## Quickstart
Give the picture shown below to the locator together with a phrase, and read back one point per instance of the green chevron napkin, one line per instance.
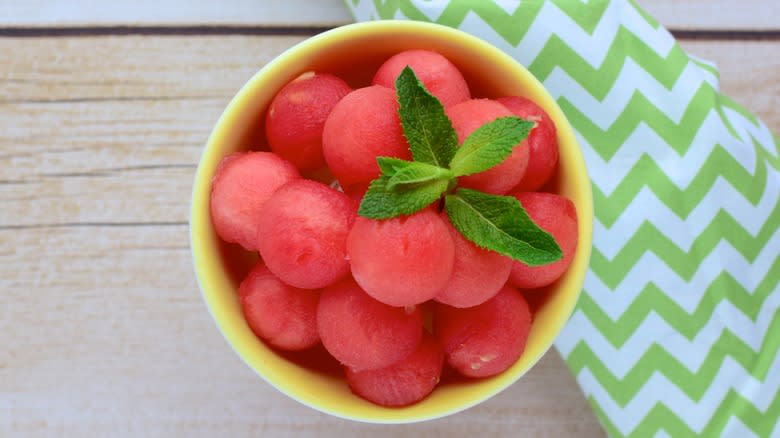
(678, 329)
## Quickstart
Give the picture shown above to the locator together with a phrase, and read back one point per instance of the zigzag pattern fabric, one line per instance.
(678, 329)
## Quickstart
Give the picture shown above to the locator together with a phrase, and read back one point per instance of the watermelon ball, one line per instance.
(477, 274)
(242, 184)
(557, 215)
(282, 315)
(356, 191)
(487, 339)
(402, 383)
(542, 143)
(440, 76)
(363, 333)
(363, 125)
(302, 233)
(296, 117)
(401, 261)
(466, 117)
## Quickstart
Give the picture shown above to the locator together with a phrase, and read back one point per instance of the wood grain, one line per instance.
(174, 13)
(749, 73)
(110, 129)
(102, 325)
(749, 15)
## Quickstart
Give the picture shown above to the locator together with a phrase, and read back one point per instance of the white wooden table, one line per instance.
(104, 109)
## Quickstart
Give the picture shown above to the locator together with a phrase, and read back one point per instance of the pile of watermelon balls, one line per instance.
(393, 300)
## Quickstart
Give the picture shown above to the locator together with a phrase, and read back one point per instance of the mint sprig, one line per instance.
(501, 224)
(489, 145)
(382, 202)
(418, 173)
(390, 165)
(426, 127)
(497, 223)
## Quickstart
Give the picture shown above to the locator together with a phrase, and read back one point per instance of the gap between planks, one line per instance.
(228, 30)
(676, 14)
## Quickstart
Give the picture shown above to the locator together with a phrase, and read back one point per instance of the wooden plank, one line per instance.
(111, 129)
(677, 14)
(131, 67)
(749, 15)
(749, 73)
(57, 13)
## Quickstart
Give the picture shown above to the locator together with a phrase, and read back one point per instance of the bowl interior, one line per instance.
(354, 52)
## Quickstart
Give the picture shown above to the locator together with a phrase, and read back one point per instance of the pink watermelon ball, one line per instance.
(361, 127)
(363, 333)
(402, 383)
(466, 117)
(357, 191)
(282, 315)
(242, 184)
(302, 234)
(558, 216)
(296, 118)
(440, 76)
(477, 274)
(487, 339)
(401, 261)
(542, 143)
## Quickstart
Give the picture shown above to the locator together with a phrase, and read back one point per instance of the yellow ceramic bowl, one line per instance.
(354, 52)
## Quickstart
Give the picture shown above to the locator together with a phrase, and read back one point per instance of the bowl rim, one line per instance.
(585, 211)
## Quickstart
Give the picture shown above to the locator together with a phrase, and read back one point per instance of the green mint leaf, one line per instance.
(427, 128)
(501, 224)
(390, 165)
(418, 173)
(489, 145)
(382, 202)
